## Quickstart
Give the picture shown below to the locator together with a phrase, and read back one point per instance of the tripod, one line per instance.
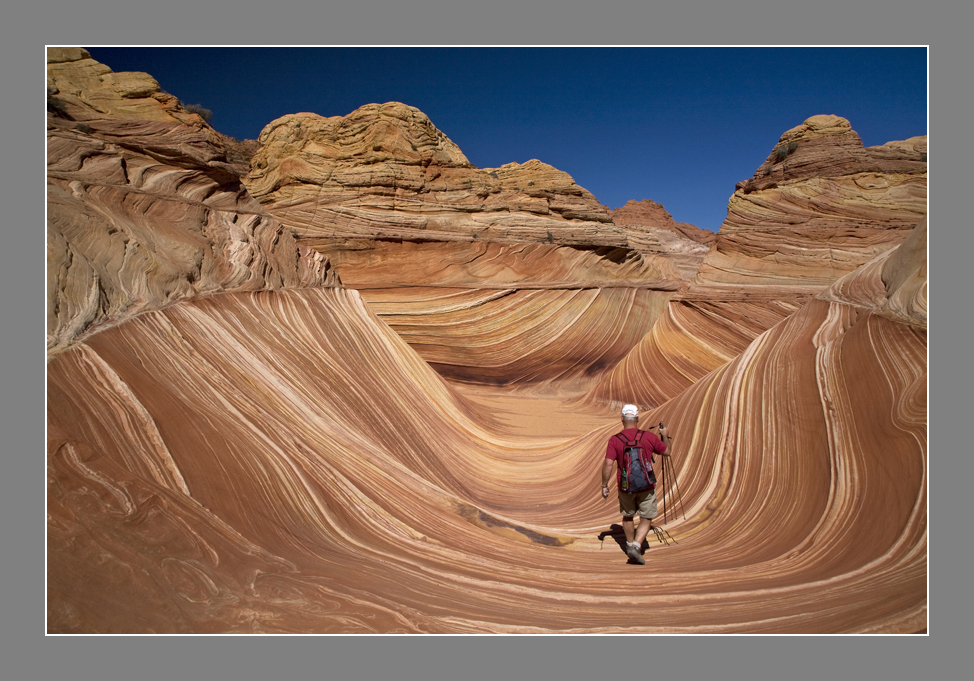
(667, 473)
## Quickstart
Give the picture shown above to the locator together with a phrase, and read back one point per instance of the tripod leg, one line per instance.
(679, 494)
(665, 495)
(662, 474)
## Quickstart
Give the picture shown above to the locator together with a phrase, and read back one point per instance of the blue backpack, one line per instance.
(637, 474)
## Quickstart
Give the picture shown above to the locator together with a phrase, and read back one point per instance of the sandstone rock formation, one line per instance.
(385, 171)
(542, 341)
(820, 206)
(688, 340)
(386, 263)
(144, 208)
(893, 285)
(651, 230)
(237, 442)
(193, 494)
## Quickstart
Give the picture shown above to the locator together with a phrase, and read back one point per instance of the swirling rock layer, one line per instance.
(688, 341)
(481, 265)
(539, 340)
(325, 479)
(422, 455)
(820, 206)
(385, 171)
(146, 211)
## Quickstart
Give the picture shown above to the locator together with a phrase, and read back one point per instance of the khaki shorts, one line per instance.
(645, 502)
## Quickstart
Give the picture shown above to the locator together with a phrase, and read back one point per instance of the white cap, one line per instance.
(630, 410)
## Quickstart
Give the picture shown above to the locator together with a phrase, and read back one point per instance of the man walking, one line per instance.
(630, 503)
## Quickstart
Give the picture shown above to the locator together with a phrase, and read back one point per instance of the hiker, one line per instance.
(624, 447)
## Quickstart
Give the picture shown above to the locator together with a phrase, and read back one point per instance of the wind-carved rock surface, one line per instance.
(542, 341)
(385, 171)
(193, 494)
(422, 455)
(893, 285)
(688, 340)
(144, 208)
(820, 206)
(651, 230)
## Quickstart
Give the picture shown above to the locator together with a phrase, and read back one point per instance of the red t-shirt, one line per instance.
(650, 442)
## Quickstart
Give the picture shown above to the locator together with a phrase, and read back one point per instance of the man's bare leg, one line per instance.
(632, 548)
(629, 528)
(642, 530)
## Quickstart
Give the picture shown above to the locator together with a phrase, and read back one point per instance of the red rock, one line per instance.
(238, 490)
(818, 208)
(652, 231)
(237, 443)
(385, 171)
(144, 212)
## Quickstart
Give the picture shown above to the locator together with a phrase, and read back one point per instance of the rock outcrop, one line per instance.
(422, 455)
(893, 285)
(688, 340)
(192, 494)
(385, 171)
(820, 206)
(652, 231)
(538, 341)
(144, 208)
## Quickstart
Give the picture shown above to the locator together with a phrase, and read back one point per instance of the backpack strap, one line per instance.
(634, 443)
(652, 450)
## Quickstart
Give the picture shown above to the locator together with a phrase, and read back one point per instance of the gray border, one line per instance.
(29, 654)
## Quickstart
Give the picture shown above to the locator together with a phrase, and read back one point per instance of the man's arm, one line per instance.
(606, 475)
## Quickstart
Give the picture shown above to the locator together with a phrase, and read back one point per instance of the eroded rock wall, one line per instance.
(423, 455)
(820, 206)
(326, 480)
(652, 231)
(385, 171)
(144, 208)
(542, 340)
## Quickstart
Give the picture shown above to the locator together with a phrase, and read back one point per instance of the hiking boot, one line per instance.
(633, 552)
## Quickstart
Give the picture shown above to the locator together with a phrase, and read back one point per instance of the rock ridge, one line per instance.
(385, 171)
(212, 460)
(820, 206)
(144, 208)
(652, 231)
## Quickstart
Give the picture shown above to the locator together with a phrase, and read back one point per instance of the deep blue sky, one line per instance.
(677, 125)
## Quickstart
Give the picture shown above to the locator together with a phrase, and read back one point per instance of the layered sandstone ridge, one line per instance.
(144, 208)
(892, 285)
(652, 231)
(537, 341)
(820, 206)
(484, 264)
(385, 171)
(191, 494)
(418, 450)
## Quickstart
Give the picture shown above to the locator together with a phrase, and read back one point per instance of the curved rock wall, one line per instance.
(326, 480)
(688, 341)
(401, 264)
(540, 341)
(143, 212)
(423, 455)
(893, 284)
(820, 206)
